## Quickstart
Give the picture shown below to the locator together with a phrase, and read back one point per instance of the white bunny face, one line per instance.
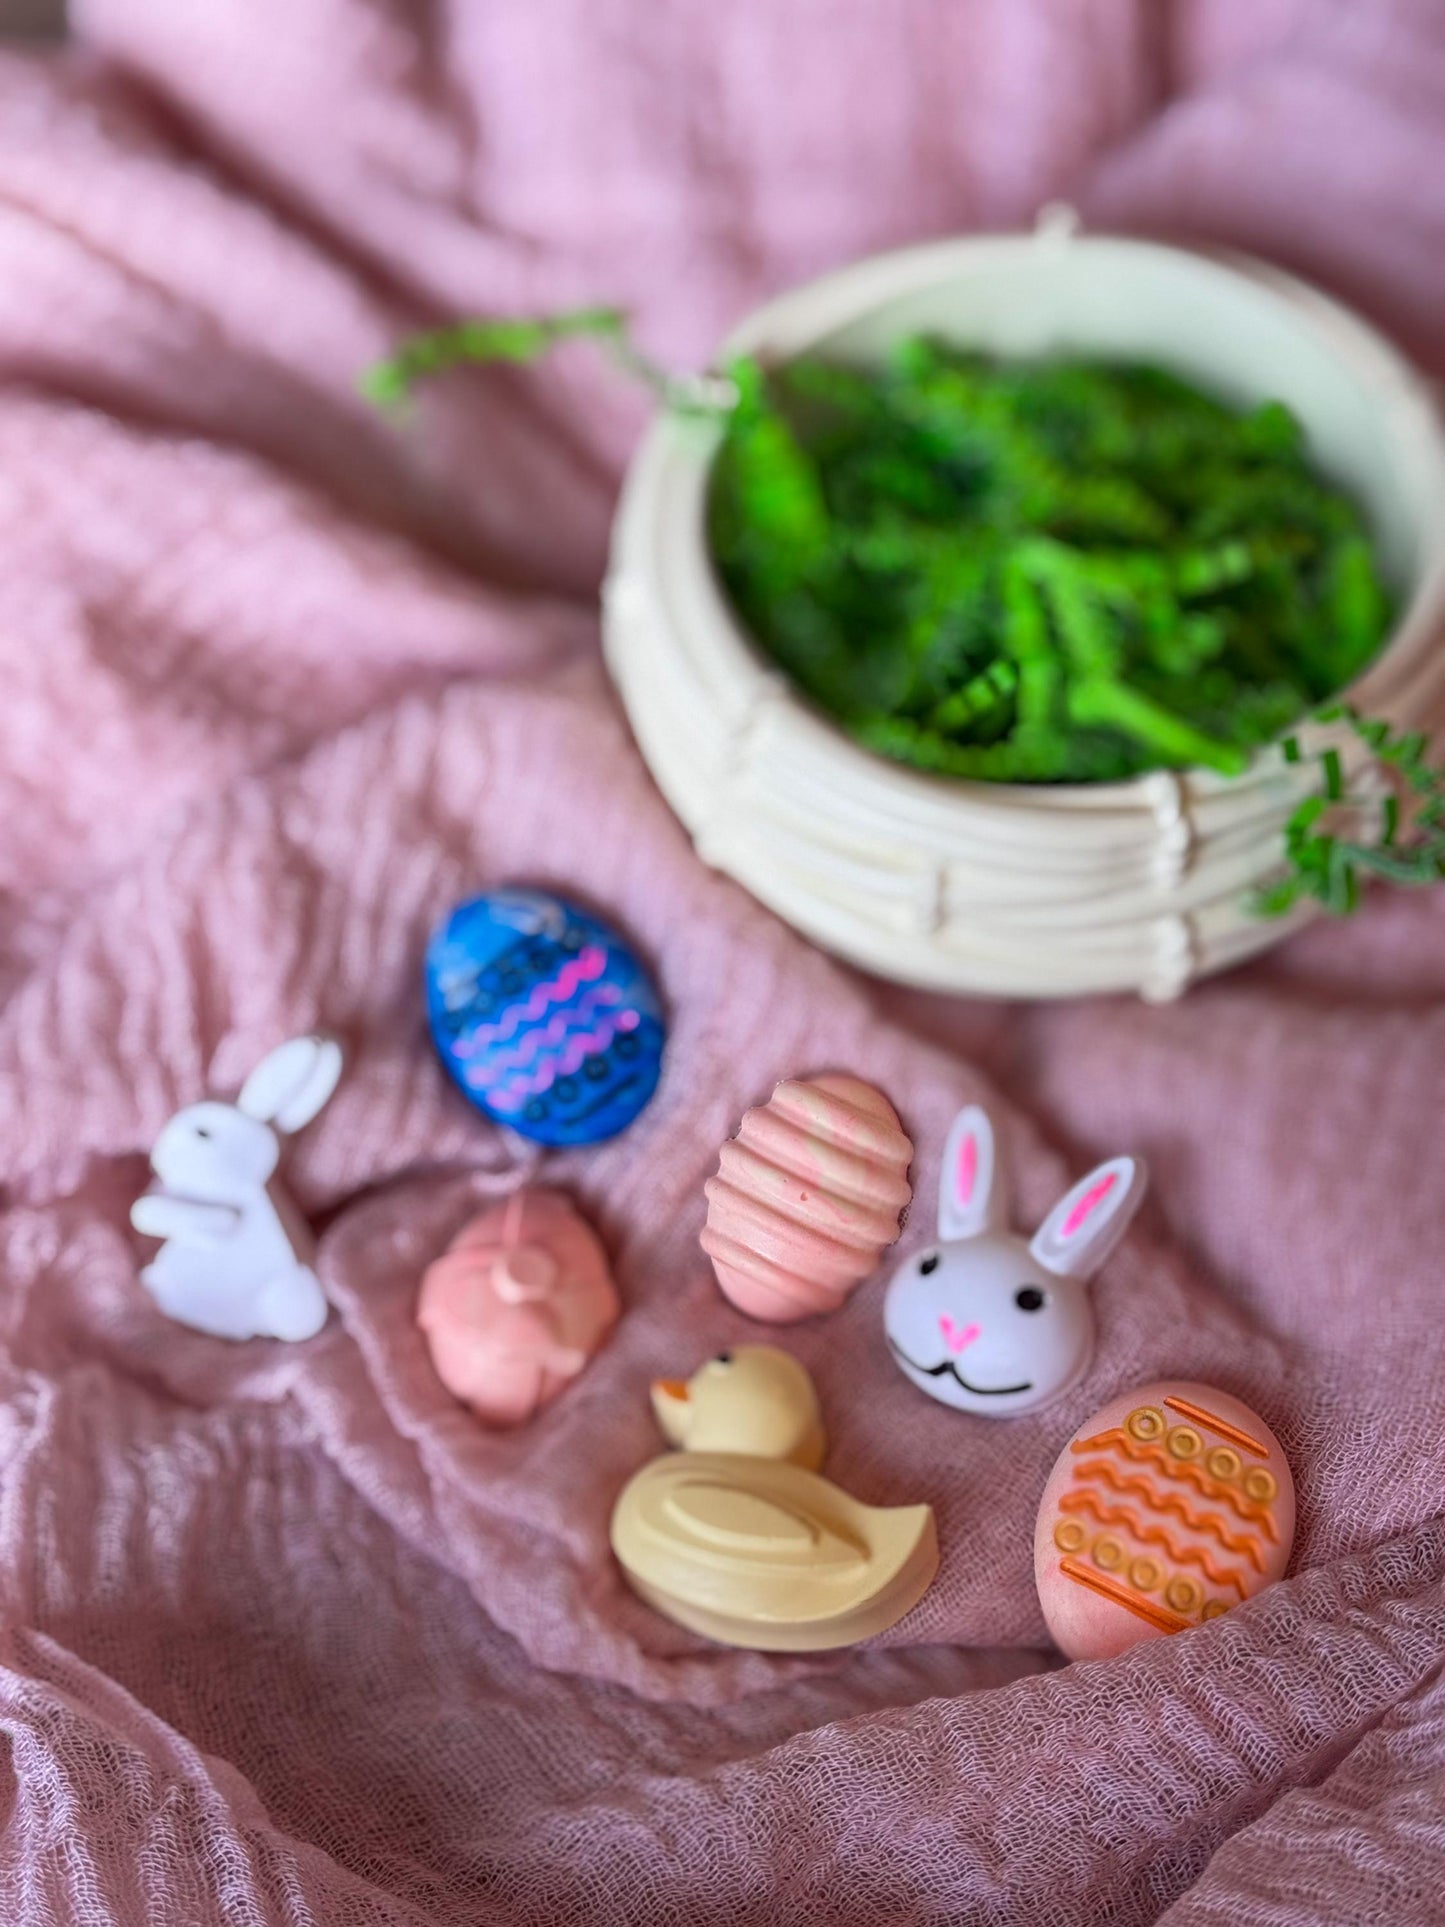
(985, 1329)
(211, 1150)
(986, 1321)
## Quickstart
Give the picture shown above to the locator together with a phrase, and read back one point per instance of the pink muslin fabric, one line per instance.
(287, 1637)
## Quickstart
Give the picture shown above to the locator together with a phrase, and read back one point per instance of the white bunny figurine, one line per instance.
(987, 1321)
(236, 1258)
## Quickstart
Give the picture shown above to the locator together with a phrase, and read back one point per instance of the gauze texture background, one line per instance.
(286, 1637)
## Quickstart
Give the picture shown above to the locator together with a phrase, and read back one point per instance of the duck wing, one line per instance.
(757, 1552)
(748, 1525)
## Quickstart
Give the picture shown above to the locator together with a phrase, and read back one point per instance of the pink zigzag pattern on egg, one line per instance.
(555, 1030)
(503, 1083)
(584, 967)
(570, 1060)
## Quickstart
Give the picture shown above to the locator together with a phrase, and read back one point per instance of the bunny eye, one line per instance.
(203, 1130)
(1030, 1298)
(930, 1263)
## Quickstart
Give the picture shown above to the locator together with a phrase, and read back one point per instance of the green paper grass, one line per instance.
(1038, 572)
(1322, 862)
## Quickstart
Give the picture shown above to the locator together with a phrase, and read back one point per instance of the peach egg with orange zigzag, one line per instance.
(807, 1197)
(1165, 1509)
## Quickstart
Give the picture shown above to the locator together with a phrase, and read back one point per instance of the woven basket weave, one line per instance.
(1003, 888)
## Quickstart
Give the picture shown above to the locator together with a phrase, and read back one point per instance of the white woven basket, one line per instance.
(1002, 888)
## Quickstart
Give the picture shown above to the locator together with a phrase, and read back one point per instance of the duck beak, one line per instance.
(670, 1405)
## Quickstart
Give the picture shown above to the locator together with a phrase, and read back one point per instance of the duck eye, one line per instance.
(930, 1263)
(723, 1358)
(1029, 1299)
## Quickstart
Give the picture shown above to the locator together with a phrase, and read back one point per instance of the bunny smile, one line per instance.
(947, 1365)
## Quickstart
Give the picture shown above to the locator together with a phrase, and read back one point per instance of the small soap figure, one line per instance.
(990, 1322)
(1166, 1508)
(236, 1261)
(544, 1017)
(736, 1536)
(517, 1306)
(807, 1197)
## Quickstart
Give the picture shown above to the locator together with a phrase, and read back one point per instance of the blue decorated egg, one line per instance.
(544, 1016)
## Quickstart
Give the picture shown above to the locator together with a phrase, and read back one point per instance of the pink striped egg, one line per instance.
(807, 1197)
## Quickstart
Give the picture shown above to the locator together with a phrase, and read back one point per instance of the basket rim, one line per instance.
(685, 451)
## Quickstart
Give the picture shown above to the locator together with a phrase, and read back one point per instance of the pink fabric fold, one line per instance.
(287, 1637)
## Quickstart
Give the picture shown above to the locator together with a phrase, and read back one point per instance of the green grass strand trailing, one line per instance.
(1324, 863)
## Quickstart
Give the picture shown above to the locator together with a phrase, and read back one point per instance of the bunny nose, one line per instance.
(524, 1273)
(958, 1337)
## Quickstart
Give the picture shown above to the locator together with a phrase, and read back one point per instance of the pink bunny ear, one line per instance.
(970, 1196)
(1087, 1222)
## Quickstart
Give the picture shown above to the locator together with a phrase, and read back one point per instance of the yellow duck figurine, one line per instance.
(736, 1536)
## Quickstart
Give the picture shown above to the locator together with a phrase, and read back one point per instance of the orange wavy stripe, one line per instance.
(1165, 1501)
(1173, 1468)
(1160, 1616)
(1120, 1515)
(1213, 1424)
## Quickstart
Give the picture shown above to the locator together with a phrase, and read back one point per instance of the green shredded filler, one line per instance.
(1038, 571)
(1403, 822)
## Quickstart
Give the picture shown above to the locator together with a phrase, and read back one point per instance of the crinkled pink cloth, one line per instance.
(287, 1637)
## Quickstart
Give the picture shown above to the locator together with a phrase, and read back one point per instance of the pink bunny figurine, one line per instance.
(517, 1305)
(990, 1322)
